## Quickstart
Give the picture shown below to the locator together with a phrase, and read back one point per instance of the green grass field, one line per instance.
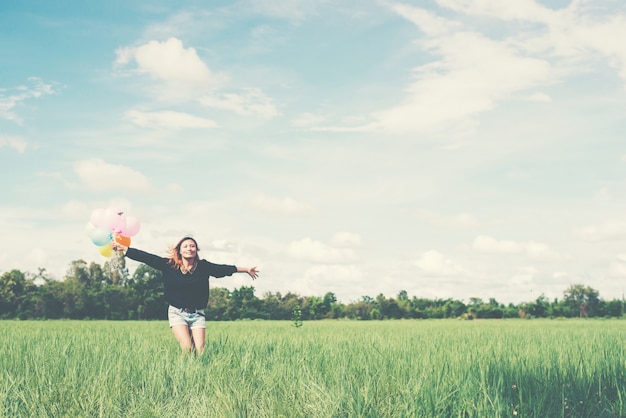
(438, 368)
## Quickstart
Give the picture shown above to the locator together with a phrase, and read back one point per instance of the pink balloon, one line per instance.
(132, 226)
(98, 218)
(112, 218)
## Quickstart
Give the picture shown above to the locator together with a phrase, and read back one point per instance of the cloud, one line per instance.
(606, 231)
(429, 23)
(14, 142)
(487, 244)
(284, 9)
(74, 209)
(99, 175)
(168, 120)
(177, 73)
(318, 252)
(534, 250)
(572, 31)
(285, 206)
(341, 279)
(461, 220)
(617, 268)
(539, 98)
(473, 74)
(252, 102)
(346, 240)
(169, 61)
(436, 264)
(517, 10)
(180, 75)
(307, 120)
(17, 95)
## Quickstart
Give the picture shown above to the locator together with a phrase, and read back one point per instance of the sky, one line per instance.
(450, 148)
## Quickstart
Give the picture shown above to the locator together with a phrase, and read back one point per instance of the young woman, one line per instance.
(186, 286)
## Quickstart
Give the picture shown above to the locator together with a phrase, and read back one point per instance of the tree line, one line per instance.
(93, 291)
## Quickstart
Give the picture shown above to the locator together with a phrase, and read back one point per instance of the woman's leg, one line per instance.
(198, 338)
(181, 332)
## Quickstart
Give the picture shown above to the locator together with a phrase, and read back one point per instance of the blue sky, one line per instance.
(449, 148)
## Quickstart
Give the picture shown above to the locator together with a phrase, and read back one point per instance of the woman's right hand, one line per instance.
(118, 247)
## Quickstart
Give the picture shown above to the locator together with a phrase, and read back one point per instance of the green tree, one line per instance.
(287, 304)
(218, 306)
(147, 283)
(615, 308)
(329, 301)
(583, 300)
(115, 271)
(12, 289)
(244, 305)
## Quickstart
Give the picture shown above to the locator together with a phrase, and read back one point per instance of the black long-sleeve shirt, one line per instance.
(189, 290)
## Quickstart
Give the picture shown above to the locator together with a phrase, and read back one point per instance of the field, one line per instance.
(438, 368)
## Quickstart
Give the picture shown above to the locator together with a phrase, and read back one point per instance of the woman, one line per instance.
(186, 286)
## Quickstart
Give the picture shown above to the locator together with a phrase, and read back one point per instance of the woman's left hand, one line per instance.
(253, 272)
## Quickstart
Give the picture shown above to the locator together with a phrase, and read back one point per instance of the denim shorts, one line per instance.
(180, 317)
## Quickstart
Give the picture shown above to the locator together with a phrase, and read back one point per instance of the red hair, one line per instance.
(174, 253)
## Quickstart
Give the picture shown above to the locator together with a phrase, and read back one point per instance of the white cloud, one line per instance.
(539, 98)
(488, 244)
(252, 102)
(180, 75)
(524, 277)
(168, 61)
(18, 95)
(222, 246)
(99, 175)
(168, 120)
(307, 120)
(606, 231)
(538, 251)
(74, 209)
(283, 9)
(461, 220)
(314, 251)
(346, 240)
(436, 264)
(617, 268)
(429, 23)
(14, 142)
(571, 31)
(473, 74)
(285, 206)
(516, 10)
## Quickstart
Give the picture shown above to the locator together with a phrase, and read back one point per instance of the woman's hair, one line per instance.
(174, 253)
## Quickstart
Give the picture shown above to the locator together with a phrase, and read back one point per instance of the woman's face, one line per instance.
(188, 249)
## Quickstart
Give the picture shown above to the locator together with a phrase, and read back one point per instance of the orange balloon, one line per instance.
(122, 240)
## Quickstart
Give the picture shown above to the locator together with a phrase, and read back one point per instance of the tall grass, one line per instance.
(439, 368)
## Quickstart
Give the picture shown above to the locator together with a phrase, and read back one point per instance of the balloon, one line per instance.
(132, 226)
(121, 239)
(106, 250)
(120, 226)
(101, 236)
(97, 218)
(112, 219)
